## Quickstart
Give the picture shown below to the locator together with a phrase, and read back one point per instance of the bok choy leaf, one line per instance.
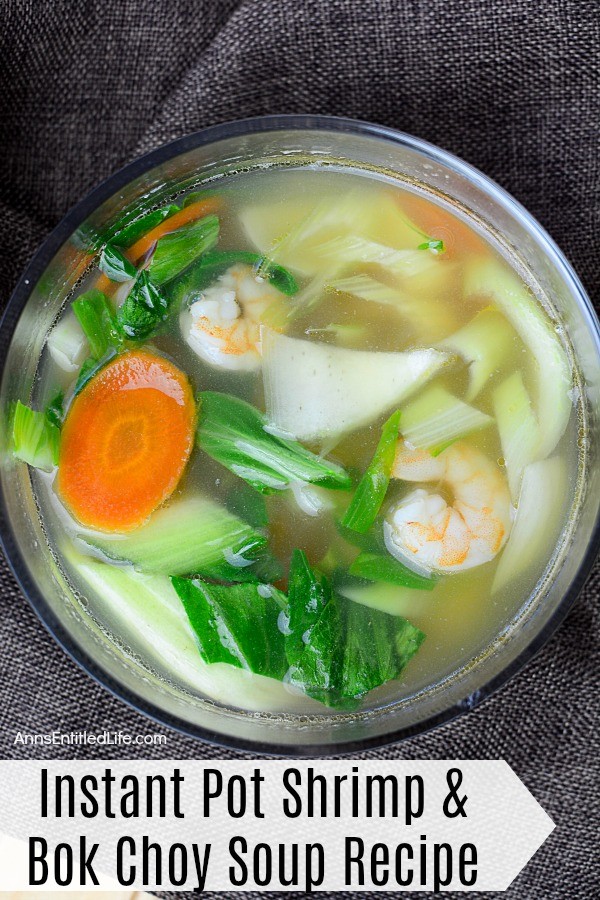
(372, 487)
(179, 249)
(115, 265)
(127, 232)
(382, 567)
(144, 309)
(212, 264)
(338, 649)
(235, 434)
(236, 624)
(313, 633)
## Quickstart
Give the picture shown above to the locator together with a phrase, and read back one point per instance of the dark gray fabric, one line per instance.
(513, 88)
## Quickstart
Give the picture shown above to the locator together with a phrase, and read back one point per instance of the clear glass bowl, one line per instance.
(56, 269)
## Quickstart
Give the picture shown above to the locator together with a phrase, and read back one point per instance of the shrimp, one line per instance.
(427, 534)
(222, 325)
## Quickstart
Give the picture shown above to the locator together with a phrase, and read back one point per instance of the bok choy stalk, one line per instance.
(67, 344)
(235, 434)
(237, 625)
(373, 486)
(150, 619)
(538, 520)
(35, 436)
(552, 367)
(483, 343)
(98, 322)
(518, 429)
(185, 538)
(318, 392)
(389, 598)
(437, 418)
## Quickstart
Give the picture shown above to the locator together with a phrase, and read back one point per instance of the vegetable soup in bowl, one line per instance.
(299, 435)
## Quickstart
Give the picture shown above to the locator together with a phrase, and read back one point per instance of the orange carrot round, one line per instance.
(125, 442)
(188, 214)
(439, 223)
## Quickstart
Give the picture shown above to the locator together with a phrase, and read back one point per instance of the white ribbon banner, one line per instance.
(271, 825)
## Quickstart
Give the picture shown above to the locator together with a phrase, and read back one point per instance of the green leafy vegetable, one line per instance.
(383, 567)
(265, 569)
(248, 504)
(308, 596)
(144, 309)
(313, 633)
(236, 624)
(55, 410)
(114, 265)
(337, 649)
(202, 273)
(128, 232)
(97, 319)
(35, 437)
(372, 487)
(235, 434)
(377, 648)
(179, 249)
(432, 244)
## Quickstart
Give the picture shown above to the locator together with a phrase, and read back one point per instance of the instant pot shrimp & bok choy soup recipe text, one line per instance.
(303, 442)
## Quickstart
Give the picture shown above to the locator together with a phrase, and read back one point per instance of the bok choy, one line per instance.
(339, 650)
(552, 372)
(484, 343)
(115, 264)
(518, 429)
(98, 322)
(184, 538)
(318, 392)
(35, 437)
(372, 487)
(537, 522)
(236, 435)
(236, 624)
(179, 249)
(437, 418)
(381, 566)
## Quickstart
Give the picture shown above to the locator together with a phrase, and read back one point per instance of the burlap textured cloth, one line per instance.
(512, 87)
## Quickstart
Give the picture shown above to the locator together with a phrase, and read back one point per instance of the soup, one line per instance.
(303, 441)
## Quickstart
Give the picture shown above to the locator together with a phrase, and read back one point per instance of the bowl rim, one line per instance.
(27, 283)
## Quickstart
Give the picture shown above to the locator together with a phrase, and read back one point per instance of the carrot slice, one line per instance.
(440, 224)
(125, 442)
(188, 214)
